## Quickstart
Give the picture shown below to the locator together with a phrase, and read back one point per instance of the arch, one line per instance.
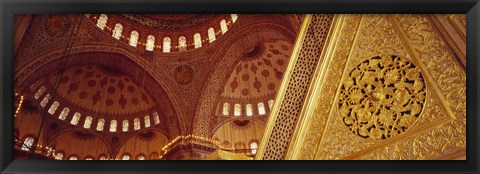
(117, 31)
(211, 34)
(229, 131)
(223, 26)
(182, 43)
(197, 40)
(59, 156)
(169, 107)
(150, 43)
(133, 38)
(166, 44)
(102, 21)
(126, 156)
(140, 156)
(73, 158)
(150, 140)
(80, 143)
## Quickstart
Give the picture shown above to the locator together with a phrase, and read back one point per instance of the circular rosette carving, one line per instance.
(382, 97)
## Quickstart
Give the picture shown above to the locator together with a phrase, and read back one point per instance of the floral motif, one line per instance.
(382, 97)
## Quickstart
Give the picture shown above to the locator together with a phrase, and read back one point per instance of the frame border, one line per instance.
(8, 8)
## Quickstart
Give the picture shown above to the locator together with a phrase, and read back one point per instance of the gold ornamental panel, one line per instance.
(382, 97)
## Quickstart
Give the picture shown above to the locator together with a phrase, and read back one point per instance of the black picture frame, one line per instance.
(8, 8)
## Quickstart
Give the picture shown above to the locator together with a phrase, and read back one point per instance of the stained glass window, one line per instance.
(103, 158)
(64, 113)
(141, 157)
(88, 122)
(136, 124)
(156, 118)
(261, 109)
(75, 118)
(102, 21)
(40, 92)
(150, 43)
(197, 39)
(53, 107)
(234, 17)
(254, 147)
(113, 126)
(238, 110)
(126, 157)
(249, 110)
(134, 38)
(223, 26)
(125, 126)
(147, 121)
(100, 124)
(211, 34)
(45, 100)
(167, 44)
(117, 31)
(182, 43)
(226, 108)
(72, 158)
(59, 156)
(27, 144)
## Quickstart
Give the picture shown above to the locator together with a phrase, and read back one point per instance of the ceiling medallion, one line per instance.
(183, 74)
(382, 97)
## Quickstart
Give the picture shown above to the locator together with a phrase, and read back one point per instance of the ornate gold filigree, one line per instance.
(382, 97)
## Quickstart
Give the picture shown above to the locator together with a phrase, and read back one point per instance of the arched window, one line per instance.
(125, 126)
(211, 34)
(254, 147)
(133, 38)
(136, 124)
(270, 104)
(75, 118)
(88, 122)
(45, 100)
(261, 109)
(64, 113)
(150, 43)
(49, 152)
(238, 110)
(53, 107)
(226, 109)
(197, 40)
(223, 26)
(89, 158)
(59, 156)
(40, 92)
(156, 118)
(72, 158)
(117, 31)
(27, 143)
(126, 157)
(100, 124)
(102, 21)
(147, 121)
(102, 158)
(234, 17)
(167, 44)
(113, 126)
(141, 157)
(182, 43)
(249, 110)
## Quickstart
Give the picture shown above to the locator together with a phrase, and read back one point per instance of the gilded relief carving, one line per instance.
(422, 94)
(381, 97)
